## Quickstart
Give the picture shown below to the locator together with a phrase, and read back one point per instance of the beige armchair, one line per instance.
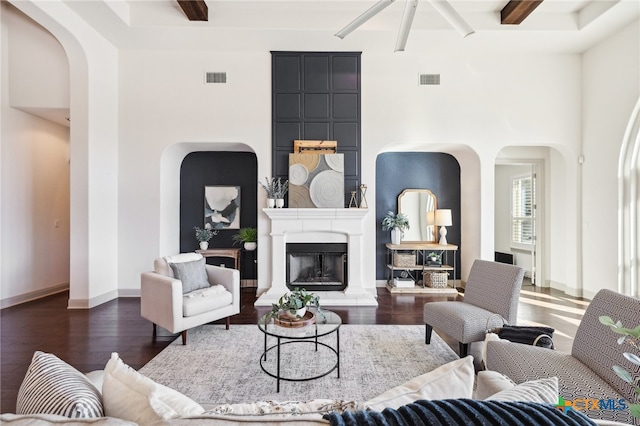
(183, 292)
(492, 288)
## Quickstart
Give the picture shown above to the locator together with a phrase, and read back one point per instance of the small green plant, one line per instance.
(631, 337)
(205, 234)
(275, 188)
(392, 220)
(245, 235)
(296, 299)
(434, 256)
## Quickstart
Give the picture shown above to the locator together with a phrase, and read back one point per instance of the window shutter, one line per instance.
(522, 210)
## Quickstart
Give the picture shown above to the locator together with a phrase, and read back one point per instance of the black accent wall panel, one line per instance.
(218, 168)
(396, 171)
(316, 96)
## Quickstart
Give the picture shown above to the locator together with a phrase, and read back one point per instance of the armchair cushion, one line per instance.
(192, 274)
(205, 300)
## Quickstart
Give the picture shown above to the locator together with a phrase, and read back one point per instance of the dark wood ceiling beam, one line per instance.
(196, 10)
(517, 10)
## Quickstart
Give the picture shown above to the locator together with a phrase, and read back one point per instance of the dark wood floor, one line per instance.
(86, 338)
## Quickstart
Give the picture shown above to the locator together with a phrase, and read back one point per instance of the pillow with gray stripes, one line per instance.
(51, 386)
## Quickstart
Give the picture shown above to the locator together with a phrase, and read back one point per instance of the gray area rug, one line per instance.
(220, 366)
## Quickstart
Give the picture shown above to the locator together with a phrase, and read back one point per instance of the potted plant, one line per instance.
(247, 236)
(203, 235)
(434, 257)
(294, 304)
(276, 190)
(630, 336)
(396, 223)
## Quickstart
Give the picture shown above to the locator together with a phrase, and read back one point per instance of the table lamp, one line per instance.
(443, 219)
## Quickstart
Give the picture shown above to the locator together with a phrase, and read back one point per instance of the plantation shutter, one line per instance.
(522, 210)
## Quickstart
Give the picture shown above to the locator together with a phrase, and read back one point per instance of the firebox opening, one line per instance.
(317, 266)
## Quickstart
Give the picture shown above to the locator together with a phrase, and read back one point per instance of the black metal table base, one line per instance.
(278, 376)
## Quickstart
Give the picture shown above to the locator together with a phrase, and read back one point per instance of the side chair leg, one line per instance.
(228, 322)
(464, 349)
(184, 337)
(427, 334)
(155, 331)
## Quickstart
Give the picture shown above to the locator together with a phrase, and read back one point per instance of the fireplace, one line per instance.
(317, 266)
(320, 226)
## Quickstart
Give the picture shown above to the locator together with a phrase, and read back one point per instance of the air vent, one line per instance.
(429, 79)
(216, 77)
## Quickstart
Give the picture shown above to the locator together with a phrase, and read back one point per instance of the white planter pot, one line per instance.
(279, 203)
(396, 235)
(299, 313)
(250, 246)
(204, 245)
(271, 202)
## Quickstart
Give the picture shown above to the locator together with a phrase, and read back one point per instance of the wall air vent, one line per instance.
(216, 77)
(429, 79)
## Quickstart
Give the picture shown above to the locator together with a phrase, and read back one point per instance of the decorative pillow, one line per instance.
(131, 396)
(490, 382)
(452, 380)
(161, 264)
(544, 391)
(448, 412)
(192, 274)
(282, 408)
(51, 386)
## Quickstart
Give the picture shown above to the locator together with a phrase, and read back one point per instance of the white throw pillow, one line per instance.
(490, 382)
(452, 380)
(129, 395)
(544, 391)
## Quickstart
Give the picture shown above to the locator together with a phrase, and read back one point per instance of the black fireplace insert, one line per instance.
(317, 266)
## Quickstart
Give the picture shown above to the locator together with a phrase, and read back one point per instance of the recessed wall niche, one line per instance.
(396, 171)
(218, 168)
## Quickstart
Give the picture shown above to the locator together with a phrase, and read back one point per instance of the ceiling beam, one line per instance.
(196, 10)
(517, 10)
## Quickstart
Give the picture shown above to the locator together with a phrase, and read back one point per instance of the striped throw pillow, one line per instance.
(51, 386)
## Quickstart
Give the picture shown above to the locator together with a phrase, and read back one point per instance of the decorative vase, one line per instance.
(396, 234)
(279, 202)
(271, 202)
(204, 245)
(249, 246)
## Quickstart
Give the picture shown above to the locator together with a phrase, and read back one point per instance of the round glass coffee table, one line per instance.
(313, 360)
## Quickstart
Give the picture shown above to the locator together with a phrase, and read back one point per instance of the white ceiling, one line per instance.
(556, 25)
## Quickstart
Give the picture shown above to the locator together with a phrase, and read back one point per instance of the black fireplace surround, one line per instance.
(317, 266)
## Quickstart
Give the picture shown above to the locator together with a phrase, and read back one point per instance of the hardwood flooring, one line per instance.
(86, 338)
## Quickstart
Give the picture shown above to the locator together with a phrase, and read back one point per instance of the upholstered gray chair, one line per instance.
(490, 300)
(183, 292)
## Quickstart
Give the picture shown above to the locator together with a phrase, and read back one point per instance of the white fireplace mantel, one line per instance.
(320, 225)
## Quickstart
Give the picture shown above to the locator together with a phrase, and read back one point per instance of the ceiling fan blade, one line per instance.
(452, 17)
(368, 14)
(405, 26)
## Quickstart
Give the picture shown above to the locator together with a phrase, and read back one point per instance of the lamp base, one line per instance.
(443, 236)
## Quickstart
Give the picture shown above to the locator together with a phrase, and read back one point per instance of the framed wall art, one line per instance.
(222, 207)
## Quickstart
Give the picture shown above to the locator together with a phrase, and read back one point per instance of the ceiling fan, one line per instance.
(441, 6)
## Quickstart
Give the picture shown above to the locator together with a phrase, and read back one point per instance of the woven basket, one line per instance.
(435, 279)
(404, 260)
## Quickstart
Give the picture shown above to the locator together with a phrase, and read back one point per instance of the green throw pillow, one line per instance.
(192, 274)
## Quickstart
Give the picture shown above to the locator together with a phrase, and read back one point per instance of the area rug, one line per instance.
(223, 366)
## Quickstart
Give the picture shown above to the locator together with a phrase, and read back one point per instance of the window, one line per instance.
(522, 193)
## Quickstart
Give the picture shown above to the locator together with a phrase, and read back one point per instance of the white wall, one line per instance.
(34, 250)
(487, 100)
(611, 87)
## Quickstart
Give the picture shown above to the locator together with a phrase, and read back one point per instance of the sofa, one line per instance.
(585, 376)
(54, 392)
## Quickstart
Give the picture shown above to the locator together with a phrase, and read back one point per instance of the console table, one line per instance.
(233, 253)
(420, 250)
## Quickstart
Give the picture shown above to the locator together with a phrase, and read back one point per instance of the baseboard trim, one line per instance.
(33, 295)
(93, 302)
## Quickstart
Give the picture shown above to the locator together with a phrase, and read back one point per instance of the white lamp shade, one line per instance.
(443, 217)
